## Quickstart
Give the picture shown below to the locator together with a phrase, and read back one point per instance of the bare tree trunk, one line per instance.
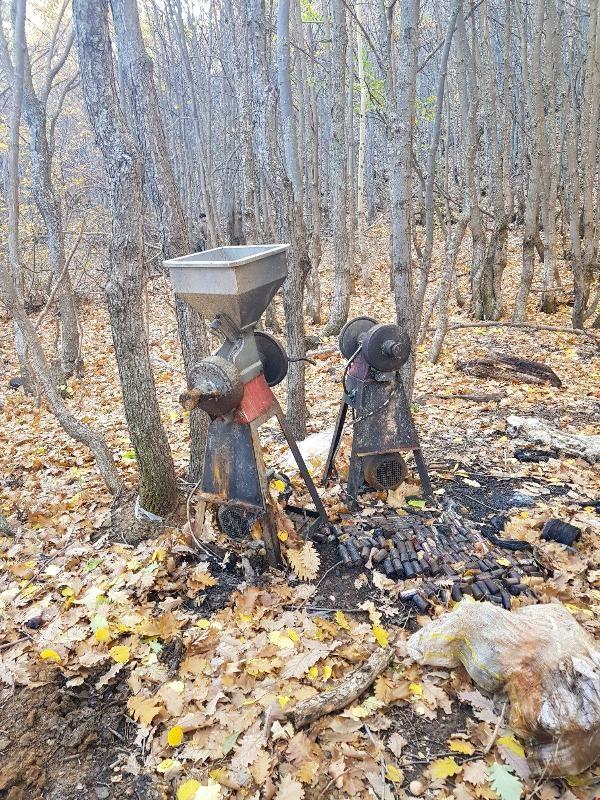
(553, 74)
(157, 489)
(535, 107)
(339, 206)
(401, 128)
(362, 131)
(589, 159)
(299, 262)
(425, 265)
(313, 287)
(478, 234)
(495, 257)
(137, 69)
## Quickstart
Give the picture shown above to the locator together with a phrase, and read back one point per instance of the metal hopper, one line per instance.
(237, 282)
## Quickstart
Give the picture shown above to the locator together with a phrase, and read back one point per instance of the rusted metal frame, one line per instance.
(267, 522)
(335, 442)
(312, 489)
(423, 473)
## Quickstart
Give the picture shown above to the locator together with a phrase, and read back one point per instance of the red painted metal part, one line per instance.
(258, 399)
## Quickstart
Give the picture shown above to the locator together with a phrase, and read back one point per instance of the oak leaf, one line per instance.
(504, 783)
(482, 706)
(144, 709)
(305, 562)
(290, 789)
(475, 772)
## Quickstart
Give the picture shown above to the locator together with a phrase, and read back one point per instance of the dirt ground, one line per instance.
(62, 743)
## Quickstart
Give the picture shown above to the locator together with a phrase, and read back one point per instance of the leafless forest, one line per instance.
(434, 163)
(133, 132)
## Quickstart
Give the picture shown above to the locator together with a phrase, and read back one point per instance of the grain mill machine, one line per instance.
(233, 286)
(382, 425)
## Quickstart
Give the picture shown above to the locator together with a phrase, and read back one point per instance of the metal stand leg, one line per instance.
(301, 465)
(269, 529)
(355, 478)
(423, 474)
(335, 442)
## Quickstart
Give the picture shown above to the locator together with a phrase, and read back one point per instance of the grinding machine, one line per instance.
(382, 423)
(232, 286)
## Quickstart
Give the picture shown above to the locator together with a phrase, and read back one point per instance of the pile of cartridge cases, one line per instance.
(441, 561)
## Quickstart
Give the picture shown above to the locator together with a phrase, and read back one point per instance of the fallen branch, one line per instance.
(534, 430)
(474, 398)
(344, 693)
(503, 366)
(527, 326)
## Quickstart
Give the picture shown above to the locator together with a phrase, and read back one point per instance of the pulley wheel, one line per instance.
(385, 471)
(386, 347)
(348, 340)
(273, 357)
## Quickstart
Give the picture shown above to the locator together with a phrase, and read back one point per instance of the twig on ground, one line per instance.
(344, 693)
(494, 735)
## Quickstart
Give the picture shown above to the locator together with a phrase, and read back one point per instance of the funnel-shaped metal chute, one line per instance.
(238, 282)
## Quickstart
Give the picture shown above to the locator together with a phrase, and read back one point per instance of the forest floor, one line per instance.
(137, 666)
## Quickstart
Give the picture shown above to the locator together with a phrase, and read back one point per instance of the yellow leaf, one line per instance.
(159, 555)
(416, 689)
(282, 536)
(293, 635)
(381, 635)
(188, 789)
(393, 774)
(203, 624)
(50, 655)
(210, 792)
(443, 768)
(120, 653)
(461, 746)
(504, 562)
(512, 744)
(102, 634)
(168, 765)
(175, 736)
(283, 700)
(281, 640)
(341, 620)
